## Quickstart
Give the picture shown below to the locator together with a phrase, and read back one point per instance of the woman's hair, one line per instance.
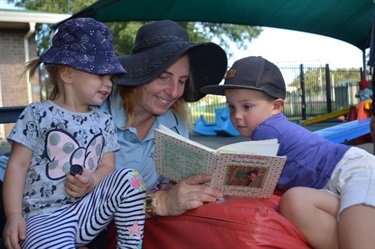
(128, 96)
(190, 91)
(52, 80)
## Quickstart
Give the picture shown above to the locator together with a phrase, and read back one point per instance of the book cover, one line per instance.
(241, 169)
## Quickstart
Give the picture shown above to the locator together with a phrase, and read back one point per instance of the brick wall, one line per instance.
(12, 61)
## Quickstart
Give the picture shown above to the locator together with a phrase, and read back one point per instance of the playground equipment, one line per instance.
(222, 125)
(325, 117)
(356, 130)
(345, 132)
(361, 107)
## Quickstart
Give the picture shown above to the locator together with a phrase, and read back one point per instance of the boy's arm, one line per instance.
(13, 189)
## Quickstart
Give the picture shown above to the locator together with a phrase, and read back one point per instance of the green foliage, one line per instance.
(53, 6)
(124, 32)
(314, 78)
(124, 35)
(42, 37)
(235, 33)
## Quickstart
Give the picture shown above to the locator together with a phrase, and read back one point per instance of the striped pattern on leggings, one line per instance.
(120, 195)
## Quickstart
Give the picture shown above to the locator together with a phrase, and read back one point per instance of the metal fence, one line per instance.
(306, 97)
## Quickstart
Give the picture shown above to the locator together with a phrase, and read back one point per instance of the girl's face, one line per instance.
(160, 94)
(249, 108)
(90, 88)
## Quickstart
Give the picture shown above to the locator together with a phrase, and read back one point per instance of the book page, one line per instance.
(261, 147)
(247, 175)
(169, 132)
(178, 157)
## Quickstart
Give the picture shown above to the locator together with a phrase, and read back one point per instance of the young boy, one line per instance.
(343, 215)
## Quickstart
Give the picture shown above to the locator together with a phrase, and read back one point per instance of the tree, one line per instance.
(55, 6)
(315, 78)
(124, 32)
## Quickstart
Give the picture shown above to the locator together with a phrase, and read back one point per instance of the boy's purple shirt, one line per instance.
(311, 159)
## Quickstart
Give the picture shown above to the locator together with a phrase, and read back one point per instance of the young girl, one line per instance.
(60, 187)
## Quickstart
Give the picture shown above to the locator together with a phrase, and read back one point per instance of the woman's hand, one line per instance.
(79, 185)
(14, 231)
(188, 194)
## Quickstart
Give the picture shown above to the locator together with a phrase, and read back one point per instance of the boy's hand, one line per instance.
(79, 185)
(14, 231)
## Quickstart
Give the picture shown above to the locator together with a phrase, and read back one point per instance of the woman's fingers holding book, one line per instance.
(198, 179)
(204, 191)
(188, 194)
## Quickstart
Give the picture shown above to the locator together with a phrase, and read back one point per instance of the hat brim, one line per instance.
(219, 89)
(208, 65)
(103, 63)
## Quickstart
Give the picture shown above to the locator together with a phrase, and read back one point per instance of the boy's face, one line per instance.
(249, 108)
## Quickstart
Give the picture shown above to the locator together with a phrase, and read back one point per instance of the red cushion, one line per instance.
(237, 222)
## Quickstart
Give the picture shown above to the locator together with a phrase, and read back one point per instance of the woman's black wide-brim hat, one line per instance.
(158, 45)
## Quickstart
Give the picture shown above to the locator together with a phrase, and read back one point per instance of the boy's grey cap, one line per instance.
(254, 73)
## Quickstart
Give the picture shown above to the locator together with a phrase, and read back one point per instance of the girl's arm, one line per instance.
(105, 167)
(79, 185)
(13, 189)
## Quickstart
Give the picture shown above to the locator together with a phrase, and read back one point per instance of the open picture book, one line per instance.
(248, 168)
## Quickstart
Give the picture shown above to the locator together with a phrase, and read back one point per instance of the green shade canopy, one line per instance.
(346, 20)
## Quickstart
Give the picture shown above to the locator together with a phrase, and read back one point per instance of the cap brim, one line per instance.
(219, 89)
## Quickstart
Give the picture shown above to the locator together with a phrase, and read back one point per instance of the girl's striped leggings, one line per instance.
(119, 196)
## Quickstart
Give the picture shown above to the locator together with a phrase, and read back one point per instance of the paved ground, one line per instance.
(369, 147)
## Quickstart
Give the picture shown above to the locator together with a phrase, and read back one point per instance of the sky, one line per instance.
(285, 47)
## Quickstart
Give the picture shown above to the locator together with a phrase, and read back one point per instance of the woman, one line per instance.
(164, 72)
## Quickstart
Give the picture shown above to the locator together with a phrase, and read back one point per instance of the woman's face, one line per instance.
(160, 94)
